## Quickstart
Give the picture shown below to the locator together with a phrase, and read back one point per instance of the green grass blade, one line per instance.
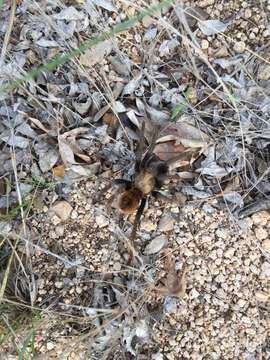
(25, 344)
(176, 110)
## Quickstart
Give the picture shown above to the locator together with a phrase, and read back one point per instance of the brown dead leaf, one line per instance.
(109, 119)
(66, 151)
(62, 209)
(168, 150)
(59, 171)
(174, 284)
(178, 139)
(186, 134)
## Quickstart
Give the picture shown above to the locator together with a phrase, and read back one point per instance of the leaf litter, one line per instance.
(93, 142)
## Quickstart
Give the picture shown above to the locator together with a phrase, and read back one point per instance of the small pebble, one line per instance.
(102, 221)
(261, 296)
(229, 253)
(239, 47)
(261, 218)
(260, 233)
(204, 44)
(264, 72)
(166, 223)
(50, 345)
(266, 245)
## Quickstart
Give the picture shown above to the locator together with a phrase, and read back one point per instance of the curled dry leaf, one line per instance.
(68, 146)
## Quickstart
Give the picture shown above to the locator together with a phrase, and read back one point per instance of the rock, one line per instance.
(59, 230)
(96, 53)
(102, 221)
(166, 223)
(265, 269)
(261, 295)
(5, 227)
(247, 13)
(266, 33)
(266, 245)
(264, 72)
(239, 47)
(50, 345)
(193, 294)
(204, 44)
(155, 245)
(260, 233)
(157, 356)
(147, 21)
(62, 209)
(241, 302)
(58, 284)
(229, 253)
(148, 225)
(261, 218)
(117, 266)
(222, 233)
(221, 52)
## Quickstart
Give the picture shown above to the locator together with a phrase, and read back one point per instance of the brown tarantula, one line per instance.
(150, 174)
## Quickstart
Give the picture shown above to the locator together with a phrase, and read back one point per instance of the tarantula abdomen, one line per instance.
(129, 201)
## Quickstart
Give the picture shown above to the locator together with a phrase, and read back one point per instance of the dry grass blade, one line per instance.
(8, 32)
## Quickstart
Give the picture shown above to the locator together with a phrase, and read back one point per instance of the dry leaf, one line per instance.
(59, 171)
(96, 54)
(68, 147)
(168, 150)
(44, 127)
(66, 151)
(174, 284)
(109, 119)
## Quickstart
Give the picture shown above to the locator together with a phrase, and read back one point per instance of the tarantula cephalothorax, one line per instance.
(150, 174)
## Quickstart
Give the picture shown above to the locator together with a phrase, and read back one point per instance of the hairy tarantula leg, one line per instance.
(139, 150)
(137, 219)
(123, 184)
(150, 149)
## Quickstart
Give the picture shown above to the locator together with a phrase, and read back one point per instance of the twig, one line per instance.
(7, 35)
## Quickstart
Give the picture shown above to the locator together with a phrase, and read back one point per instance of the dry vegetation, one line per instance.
(194, 283)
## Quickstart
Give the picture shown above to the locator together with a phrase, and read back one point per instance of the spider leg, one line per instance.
(137, 218)
(149, 152)
(123, 184)
(139, 150)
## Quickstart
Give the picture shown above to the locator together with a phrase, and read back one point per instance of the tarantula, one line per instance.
(150, 174)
